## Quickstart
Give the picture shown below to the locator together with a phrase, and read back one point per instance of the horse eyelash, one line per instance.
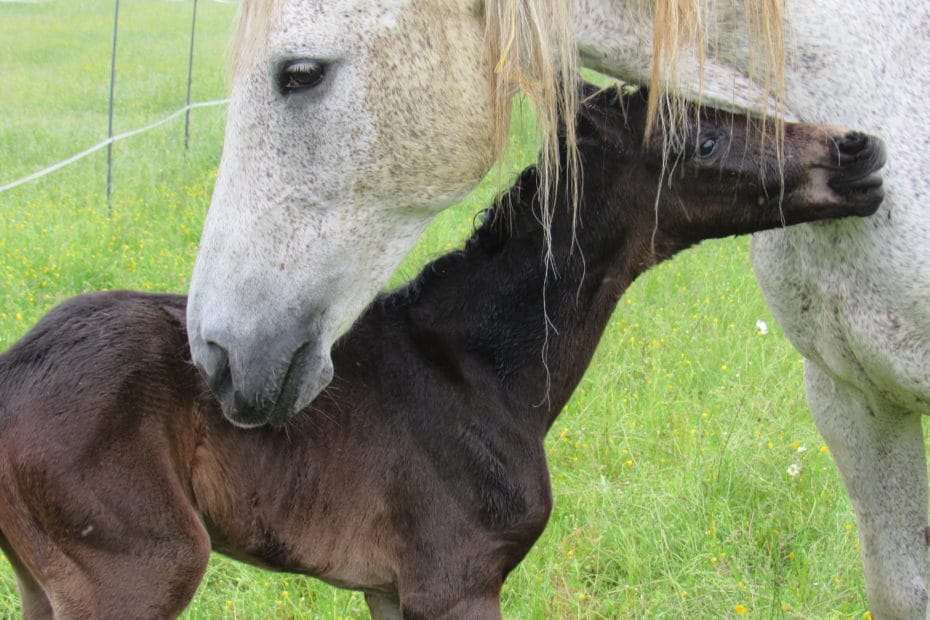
(302, 67)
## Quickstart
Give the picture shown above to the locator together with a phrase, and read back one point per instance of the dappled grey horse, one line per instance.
(353, 122)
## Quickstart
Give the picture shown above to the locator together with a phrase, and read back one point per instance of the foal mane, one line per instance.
(496, 224)
(488, 237)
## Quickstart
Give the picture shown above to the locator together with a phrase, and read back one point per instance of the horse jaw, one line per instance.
(321, 194)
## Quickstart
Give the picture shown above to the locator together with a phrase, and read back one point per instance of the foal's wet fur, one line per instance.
(419, 476)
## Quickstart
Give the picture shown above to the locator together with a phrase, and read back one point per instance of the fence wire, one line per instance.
(111, 139)
(122, 136)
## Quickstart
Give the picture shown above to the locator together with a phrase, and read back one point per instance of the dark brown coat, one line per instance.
(419, 476)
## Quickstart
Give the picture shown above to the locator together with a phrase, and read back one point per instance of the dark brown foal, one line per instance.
(419, 476)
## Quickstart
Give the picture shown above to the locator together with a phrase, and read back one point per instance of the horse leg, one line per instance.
(470, 608)
(33, 599)
(383, 606)
(879, 450)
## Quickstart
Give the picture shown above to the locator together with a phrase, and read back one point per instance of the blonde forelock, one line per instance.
(251, 31)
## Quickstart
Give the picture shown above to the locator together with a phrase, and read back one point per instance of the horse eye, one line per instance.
(300, 75)
(707, 148)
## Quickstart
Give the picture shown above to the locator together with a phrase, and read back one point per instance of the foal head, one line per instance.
(720, 174)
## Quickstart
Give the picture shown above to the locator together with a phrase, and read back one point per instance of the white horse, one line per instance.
(353, 122)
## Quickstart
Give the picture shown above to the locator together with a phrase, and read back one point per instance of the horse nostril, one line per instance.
(215, 368)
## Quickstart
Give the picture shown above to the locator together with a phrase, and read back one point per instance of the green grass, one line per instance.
(669, 466)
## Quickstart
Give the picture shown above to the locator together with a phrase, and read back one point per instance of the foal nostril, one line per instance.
(859, 151)
(860, 157)
(853, 143)
(214, 366)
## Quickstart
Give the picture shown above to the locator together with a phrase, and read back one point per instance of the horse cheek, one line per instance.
(430, 104)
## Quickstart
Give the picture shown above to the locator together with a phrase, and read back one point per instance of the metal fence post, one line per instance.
(190, 75)
(110, 121)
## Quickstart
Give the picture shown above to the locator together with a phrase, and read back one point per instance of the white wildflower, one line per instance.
(794, 469)
(802, 448)
(763, 327)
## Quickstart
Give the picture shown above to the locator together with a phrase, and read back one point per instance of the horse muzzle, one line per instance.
(263, 385)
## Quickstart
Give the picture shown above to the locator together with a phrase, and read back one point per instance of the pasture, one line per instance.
(688, 478)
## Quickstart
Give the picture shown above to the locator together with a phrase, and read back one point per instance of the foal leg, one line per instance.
(33, 599)
(383, 606)
(465, 606)
(880, 452)
(103, 556)
(138, 581)
(484, 607)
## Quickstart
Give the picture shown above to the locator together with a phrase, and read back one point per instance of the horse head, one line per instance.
(348, 129)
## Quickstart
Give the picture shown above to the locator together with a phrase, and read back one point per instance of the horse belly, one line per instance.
(851, 296)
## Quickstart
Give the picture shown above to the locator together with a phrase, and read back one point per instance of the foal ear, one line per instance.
(604, 118)
(176, 312)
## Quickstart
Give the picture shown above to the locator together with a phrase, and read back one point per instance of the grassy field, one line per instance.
(689, 480)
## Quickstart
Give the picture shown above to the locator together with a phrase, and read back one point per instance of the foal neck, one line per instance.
(530, 321)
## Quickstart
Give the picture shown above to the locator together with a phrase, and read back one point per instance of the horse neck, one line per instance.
(534, 325)
(616, 37)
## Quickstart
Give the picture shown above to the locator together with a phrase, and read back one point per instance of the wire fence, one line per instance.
(108, 143)
(111, 137)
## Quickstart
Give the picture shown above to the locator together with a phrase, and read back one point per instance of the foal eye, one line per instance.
(300, 75)
(707, 148)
